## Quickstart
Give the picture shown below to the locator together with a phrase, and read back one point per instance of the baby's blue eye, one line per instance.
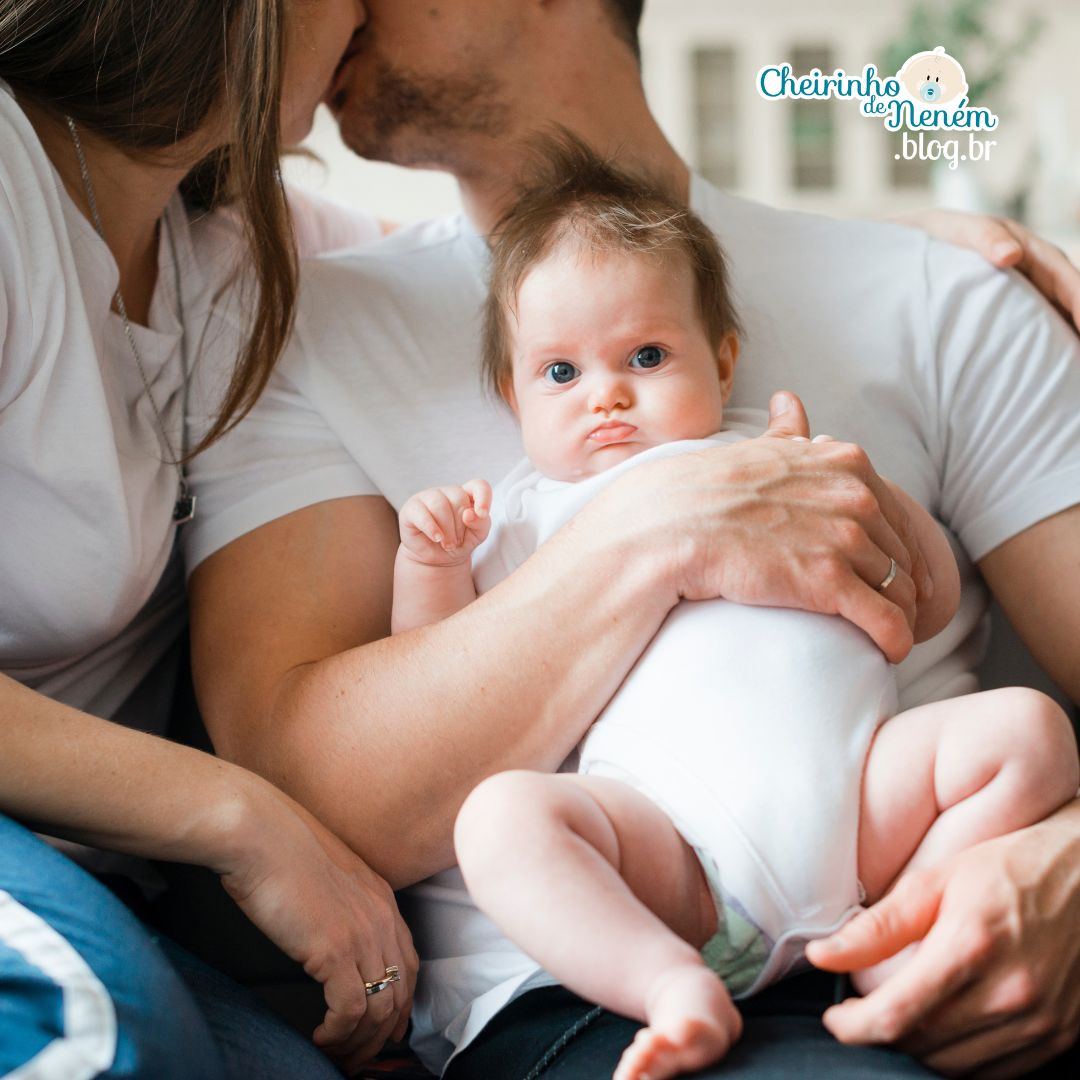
(561, 373)
(648, 357)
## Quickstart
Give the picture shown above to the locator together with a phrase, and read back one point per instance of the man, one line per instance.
(942, 369)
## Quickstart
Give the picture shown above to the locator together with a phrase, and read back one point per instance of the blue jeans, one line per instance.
(552, 1034)
(86, 990)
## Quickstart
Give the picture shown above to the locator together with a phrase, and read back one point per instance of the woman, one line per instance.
(119, 123)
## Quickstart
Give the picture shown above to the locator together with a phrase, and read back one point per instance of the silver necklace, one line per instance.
(184, 508)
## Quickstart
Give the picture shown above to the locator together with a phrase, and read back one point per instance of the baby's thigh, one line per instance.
(898, 803)
(550, 816)
(655, 861)
(1012, 748)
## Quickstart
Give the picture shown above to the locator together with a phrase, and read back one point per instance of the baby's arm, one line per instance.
(933, 615)
(440, 529)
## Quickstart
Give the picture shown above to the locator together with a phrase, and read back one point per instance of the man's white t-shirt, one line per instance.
(960, 383)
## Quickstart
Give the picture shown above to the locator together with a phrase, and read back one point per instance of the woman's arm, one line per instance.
(1008, 245)
(85, 779)
(383, 738)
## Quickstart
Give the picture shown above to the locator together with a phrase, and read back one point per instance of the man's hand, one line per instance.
(780, 521)
(993, 988)
(788, 420)
(1008, 244)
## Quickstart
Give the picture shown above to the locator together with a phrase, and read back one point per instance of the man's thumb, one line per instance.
(902, 917)
(787, 417)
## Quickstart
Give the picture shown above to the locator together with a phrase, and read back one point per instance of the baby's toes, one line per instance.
(649, 1057)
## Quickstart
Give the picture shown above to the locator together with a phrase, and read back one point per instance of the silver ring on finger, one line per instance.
(376, 986)
(889, 577)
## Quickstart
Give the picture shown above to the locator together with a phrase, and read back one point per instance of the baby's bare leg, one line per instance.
(591, 879)
(945, 776)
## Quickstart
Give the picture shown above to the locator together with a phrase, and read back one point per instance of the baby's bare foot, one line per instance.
(692, 1023)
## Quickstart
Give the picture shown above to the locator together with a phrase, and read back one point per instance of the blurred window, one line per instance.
(813, 125)
(905, 173)
(716, 115)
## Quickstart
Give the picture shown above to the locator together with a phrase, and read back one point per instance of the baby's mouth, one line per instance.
(612, 431)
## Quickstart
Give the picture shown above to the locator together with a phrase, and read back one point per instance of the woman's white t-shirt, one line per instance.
(92, 595)
(90, 578)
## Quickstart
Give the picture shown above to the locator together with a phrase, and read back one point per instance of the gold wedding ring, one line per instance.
(390, 975)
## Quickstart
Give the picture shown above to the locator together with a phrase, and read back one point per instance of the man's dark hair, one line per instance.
(576, 197)
(626, 15)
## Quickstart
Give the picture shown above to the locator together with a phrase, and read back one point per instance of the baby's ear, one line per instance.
(506, 392)
(727, 354)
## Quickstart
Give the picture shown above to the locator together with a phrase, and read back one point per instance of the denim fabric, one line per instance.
(553, 1034)
(87, 991)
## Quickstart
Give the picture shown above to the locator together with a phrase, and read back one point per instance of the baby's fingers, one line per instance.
(418, 517)
(445, 514)
(477, 528)
(480, 493)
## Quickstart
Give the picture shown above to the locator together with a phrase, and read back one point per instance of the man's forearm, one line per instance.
(383, 738)
(1036, 579)
(384, 741)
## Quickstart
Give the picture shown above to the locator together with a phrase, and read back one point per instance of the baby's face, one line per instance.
(610, 357)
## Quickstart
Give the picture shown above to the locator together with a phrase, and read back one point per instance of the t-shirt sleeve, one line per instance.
(15, 318)
(281, 457)
(3, 318)
(1008, 400)
(322, 224)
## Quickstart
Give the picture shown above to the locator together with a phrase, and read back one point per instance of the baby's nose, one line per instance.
(607, 394)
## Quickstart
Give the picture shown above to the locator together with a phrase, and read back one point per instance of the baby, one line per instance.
(710, 829)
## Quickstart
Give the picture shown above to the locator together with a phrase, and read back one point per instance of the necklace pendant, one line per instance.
(184, 510)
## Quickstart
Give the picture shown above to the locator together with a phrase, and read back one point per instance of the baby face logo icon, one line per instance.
(933, 77)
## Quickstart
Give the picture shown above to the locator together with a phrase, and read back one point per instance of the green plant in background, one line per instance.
(964, 28)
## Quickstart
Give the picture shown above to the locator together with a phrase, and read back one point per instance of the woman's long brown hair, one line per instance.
(145, 76)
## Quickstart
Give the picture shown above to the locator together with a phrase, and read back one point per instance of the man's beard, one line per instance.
(409, 119)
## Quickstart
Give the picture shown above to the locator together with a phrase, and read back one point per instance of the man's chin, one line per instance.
(401, 146)
(363, 141)
(386, 114)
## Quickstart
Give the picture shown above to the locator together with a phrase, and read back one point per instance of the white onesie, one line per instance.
(748, 726)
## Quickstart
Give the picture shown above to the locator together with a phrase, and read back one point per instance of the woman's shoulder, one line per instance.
(27, 181)
(31, 222)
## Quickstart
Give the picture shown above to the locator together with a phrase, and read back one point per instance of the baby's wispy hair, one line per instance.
(573, 195)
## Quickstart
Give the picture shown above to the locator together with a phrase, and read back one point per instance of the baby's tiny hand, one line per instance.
(443, 526)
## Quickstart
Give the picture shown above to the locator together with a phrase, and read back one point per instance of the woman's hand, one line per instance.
(779, 521)
(325, 908)
(1008, 244)
(993, 989)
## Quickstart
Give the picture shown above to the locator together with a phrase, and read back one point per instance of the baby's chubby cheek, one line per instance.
(549, 446)
(707, 420)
